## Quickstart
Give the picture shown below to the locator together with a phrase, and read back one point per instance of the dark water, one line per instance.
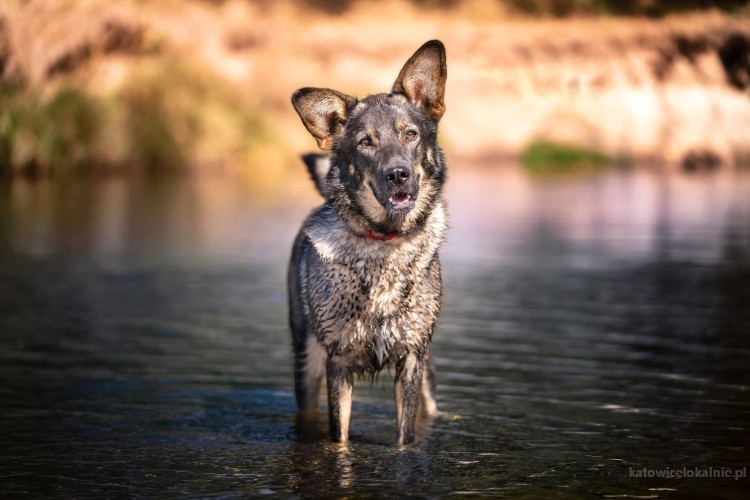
(593, 326)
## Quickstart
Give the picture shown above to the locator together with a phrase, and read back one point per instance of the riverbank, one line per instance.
(191, 85)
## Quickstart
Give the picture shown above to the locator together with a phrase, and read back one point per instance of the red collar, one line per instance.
(378, 237)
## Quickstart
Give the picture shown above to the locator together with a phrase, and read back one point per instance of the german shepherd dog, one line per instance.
(365, 287)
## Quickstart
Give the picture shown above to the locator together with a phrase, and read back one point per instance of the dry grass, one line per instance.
(212, 80)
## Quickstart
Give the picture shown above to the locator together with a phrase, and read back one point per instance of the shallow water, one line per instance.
(593, 326)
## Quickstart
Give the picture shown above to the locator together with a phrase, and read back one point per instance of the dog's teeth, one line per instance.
(399, 199)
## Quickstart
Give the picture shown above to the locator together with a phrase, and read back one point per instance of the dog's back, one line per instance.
(365, 282)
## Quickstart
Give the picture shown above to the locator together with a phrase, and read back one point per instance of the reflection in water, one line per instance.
(591, 325)
(344, 466)
(116, 219)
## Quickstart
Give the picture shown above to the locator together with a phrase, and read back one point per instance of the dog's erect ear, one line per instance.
(422, 79)
(324, 112)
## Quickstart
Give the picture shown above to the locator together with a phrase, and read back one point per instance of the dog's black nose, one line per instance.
(397, 175)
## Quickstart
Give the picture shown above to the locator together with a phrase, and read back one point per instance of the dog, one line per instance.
(365, 285)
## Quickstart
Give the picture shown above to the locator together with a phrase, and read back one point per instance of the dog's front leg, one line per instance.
(408, 390)
(339, 379)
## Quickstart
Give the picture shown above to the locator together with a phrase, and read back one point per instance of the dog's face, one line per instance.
(384, 144)
(386, 167)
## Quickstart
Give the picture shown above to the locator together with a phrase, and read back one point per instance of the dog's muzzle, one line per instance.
(398, 183)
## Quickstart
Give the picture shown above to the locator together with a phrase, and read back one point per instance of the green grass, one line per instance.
(548, 157)
(166, 118)
(49, 135)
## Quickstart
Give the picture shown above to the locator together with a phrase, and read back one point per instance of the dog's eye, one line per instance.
(366, 142)
(411, 135)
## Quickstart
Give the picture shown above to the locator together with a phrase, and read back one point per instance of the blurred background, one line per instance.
(597, 271)
(133, 86)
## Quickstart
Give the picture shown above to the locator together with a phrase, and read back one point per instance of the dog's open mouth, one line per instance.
(401, 201)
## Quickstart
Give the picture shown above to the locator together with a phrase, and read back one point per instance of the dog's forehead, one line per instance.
(380, 109)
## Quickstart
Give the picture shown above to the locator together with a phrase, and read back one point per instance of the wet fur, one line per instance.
(359, 304)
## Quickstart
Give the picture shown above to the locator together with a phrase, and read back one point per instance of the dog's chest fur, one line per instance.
(371, 301)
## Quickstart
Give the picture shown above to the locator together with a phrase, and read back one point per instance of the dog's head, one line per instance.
(386, 167)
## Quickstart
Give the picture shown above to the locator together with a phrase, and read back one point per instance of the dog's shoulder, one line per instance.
(318, 166)
(328, 234)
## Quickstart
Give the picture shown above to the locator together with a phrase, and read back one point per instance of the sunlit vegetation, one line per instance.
(546, 157)
(164, 118)
(563, 8)
(111, 96)
(51, 134)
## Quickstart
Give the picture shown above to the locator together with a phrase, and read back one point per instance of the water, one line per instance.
(593, 326)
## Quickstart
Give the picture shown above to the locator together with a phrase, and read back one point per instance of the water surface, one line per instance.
(593, 326)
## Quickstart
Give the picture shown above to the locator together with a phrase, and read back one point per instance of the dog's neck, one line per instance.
(378, 236)
(336, 241)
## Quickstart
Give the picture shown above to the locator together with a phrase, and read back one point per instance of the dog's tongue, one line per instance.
(399, 198)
